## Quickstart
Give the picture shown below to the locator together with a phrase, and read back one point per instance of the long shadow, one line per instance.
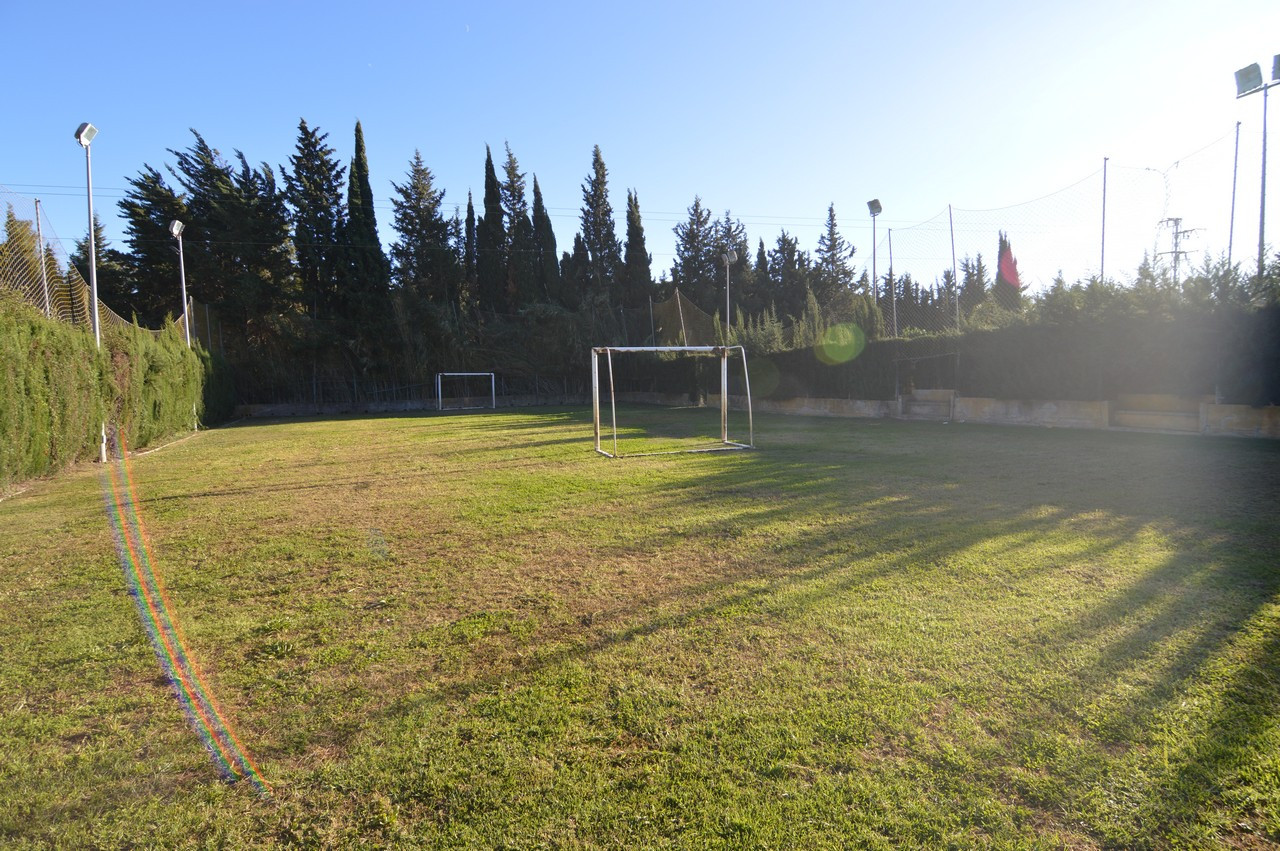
(1162, 598)
(937, 496)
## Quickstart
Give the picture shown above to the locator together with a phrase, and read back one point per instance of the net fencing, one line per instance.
(1102, 226)
(34, 264)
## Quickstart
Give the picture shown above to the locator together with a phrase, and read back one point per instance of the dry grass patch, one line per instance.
(471, 630)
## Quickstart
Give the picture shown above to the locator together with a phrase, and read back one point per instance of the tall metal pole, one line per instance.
(84, 135)
(93, 257)
(1235, 167)
(1248, 81)
(44, 270)
(875, 282)
(1262, 212)
(175, 228)
(726, 299)
(955, 282)
(1102, 263)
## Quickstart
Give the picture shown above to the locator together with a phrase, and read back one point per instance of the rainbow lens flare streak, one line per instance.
(197, 702)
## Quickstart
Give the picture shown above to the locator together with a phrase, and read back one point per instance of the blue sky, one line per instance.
(769, 111)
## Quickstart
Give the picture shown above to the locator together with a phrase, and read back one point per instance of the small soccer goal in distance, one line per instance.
(467, 391)
(720, 443)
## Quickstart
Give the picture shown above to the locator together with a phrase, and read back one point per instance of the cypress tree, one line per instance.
(637, 274)
(973, 284)
(370, 280)
(760, 296)
(520, 251)
(598, 233)
(546, 271)
(490, 244)
(469, 249)
(575, 274)
(1008, 286)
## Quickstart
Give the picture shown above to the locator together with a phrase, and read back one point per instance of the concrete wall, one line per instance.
(1240, 420)
(972, 409)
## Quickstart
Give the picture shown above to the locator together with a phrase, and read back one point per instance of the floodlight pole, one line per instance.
(1235, 168)
(1102, 261)
(1249, 81)
(730, 256)
(874, 207)
(84, 135)
(175, 228)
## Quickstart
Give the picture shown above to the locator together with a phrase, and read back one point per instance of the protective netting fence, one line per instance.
(1102, 226)
(34, 264)
(679, 322)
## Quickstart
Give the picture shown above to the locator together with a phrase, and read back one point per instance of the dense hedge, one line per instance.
(57, 388)
(1232, 356)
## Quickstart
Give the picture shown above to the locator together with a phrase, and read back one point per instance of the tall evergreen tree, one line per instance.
(469, 249)
(424, 260)
(757, 296)
(117, 287)
(731, 234)
(694, 269)
(1008, 286)
(789, 275)
(598, 229)
(546, 270)
(973, 284)
(235, 242)
(637, 274)
(520, 249)
(833, 269)
(491, 240)
(575, 274)
(370, 280)
(314, 191)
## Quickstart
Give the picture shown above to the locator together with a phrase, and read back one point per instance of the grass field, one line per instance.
(472, 631)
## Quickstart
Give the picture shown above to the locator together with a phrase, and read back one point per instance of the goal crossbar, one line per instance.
(493, 389)
(723, 352)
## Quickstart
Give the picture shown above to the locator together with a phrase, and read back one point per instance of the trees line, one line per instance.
(291, 259)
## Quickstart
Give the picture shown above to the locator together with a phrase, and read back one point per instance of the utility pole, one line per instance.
(1177, 252)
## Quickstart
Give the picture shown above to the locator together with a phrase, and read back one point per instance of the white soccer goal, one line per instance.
(723, 353)
(469, 390)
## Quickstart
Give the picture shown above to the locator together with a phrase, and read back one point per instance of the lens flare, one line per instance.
(146, 589)
(841, 344)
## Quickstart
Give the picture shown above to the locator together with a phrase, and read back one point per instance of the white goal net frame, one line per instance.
(722, 352)
(493, 391)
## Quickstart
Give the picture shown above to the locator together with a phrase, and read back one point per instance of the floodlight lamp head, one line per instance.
(1275, 68)
(730, 256)
(85, 133)
(1248, 80)
(175, 228)
(874, 206)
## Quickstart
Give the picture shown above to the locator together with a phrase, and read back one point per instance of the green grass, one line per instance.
(473, 631)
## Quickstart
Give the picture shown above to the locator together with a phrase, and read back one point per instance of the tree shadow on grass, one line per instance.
(835, 509)
(1162, 626)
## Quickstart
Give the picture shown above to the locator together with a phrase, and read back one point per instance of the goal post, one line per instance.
(467, 398)
(723, 353)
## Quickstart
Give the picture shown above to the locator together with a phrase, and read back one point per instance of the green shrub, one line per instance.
(57, 388)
